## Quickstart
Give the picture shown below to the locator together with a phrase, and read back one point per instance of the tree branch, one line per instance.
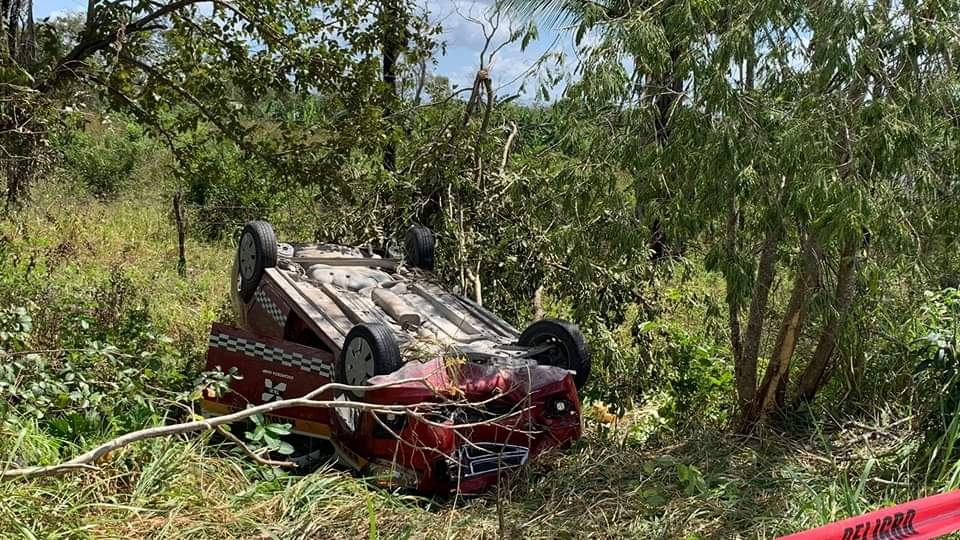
(88, 459)
(84, 49)
(215, 119)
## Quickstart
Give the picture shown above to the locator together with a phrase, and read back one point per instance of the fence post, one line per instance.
(181, 235)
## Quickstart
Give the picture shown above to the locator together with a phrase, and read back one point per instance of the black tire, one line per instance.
(420, 248)
(569, 349)
(256, 251)
(383, 349)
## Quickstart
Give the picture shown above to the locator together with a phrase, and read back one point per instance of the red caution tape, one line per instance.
(930, 517)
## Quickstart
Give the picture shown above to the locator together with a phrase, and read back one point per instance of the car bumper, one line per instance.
(462, 449)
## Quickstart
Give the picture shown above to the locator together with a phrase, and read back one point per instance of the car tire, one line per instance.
(369, 349)
(256, 251)
(420, 247)
(569, 349)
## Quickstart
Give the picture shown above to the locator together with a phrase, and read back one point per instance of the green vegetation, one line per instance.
(749, 209)
(81, 273)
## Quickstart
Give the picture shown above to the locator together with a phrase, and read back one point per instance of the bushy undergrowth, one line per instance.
(224, 189)
(92, 344)
(104, 159)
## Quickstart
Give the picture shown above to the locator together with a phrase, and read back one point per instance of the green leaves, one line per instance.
(691, 479)
(529, 34)
(742, 122)
(16, 325)
(267, 435)
(193, 76)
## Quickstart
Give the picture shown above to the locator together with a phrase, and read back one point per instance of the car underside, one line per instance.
(432, 390)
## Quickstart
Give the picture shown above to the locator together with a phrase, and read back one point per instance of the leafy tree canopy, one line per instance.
(194, 70)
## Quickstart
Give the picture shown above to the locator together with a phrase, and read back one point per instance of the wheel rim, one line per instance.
(358, 362)
(248, 256)
(557, 354)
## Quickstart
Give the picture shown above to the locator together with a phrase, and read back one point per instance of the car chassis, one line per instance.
(456, 395)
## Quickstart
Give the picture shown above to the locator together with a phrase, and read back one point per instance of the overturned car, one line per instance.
(479, 396)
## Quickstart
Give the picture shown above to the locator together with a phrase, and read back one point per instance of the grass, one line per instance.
(695, 485)
(82, 240)
(634, 478)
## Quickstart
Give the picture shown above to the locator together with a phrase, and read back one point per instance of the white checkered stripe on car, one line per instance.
(255, 349)
(270, 307)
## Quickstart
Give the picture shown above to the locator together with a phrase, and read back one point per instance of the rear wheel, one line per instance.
(368, 350)
(256, 251)
(420, 248)
(564, 346)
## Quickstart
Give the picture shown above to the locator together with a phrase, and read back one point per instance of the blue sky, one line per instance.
(464, 40)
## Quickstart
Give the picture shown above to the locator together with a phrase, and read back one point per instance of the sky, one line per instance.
(464, 40)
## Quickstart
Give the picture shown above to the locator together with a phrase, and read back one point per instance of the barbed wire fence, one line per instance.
(301, 216)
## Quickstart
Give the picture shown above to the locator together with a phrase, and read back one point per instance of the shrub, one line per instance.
(104, 162)
(937, 372)
(99, 357)
(226, 189)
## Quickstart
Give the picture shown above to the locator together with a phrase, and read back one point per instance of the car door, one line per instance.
(269, 369)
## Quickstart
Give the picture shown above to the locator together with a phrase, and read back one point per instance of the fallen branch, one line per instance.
(89, 458)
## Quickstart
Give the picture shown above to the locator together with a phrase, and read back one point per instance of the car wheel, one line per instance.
(420, 248)
(368, 350)
(256, 251)
(567, 348)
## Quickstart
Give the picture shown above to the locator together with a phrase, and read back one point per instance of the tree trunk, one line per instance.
(4, 28)
(19, 167)
(421, 81)
(745, 370)
(669, 87)
(780, 400)
(28, 38)
(11, 12)
(669, 90)
(17, 182)
(813, 376)
(793, 319)
(181, 235)
(733, 298)
(393, 42)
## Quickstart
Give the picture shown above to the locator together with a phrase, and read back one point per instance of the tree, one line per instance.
(187, 64)
(796, 141)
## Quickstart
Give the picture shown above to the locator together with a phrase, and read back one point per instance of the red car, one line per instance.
(484, 397)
